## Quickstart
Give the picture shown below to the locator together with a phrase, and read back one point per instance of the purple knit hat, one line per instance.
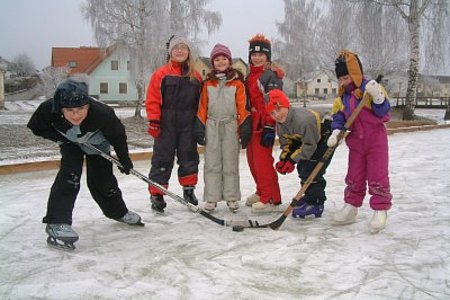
(220, 49)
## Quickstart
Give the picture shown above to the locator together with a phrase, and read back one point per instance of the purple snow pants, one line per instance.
(368, 162)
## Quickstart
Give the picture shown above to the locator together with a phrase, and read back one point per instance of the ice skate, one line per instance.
(61, 236)
(189, 196)
(210, 206)
(378, 221)
(233, 206)
(346, 215)
(158, 203)
(252, 199)
(131, 218)
(304, 209)
(260, 207)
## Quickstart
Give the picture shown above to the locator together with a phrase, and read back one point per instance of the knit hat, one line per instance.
(348, 63)
(277, 99)
(175, 40)
(70, 93)
(218, 50)
(260, 44)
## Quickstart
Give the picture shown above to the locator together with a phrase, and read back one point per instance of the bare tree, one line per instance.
(23, 65)
(140, 28)
(415, 13)
(51, 77)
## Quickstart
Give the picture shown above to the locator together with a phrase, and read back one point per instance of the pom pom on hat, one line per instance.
(260, 44)
(277, 99)
(218, 50)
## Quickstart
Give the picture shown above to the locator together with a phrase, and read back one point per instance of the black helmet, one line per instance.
(70, 93)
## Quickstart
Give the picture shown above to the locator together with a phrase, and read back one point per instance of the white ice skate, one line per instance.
(252, 199)
(378, 221)
(210, 206)
(260, 207)
(131, 218)
(61, 236)
(233, 205)
(346, 215)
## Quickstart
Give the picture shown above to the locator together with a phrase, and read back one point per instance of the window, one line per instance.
(316, 91)
(204, 72)
(333, 91)
(72, 64)
(128, 65)
(122, 88)
(103, 88)
(114, 65)
(325, 91)
(318, 80)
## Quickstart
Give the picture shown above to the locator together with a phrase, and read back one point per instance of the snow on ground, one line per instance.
(183, 255)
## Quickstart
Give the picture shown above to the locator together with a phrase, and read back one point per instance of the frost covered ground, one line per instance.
(183, 255)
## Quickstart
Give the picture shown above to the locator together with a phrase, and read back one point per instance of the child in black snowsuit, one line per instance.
(71, 118)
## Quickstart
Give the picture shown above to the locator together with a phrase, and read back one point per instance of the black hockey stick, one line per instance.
(194, 208)
(278, 222)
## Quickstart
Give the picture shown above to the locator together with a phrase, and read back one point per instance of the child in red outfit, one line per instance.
(367, 142)
(172, 102)
(260, 81)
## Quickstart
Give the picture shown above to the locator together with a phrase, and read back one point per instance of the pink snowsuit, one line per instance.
(368, 150)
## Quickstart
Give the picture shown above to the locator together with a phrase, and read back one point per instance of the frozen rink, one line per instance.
(183, 255)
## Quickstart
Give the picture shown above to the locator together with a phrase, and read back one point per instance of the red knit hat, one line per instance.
(277, 99)
(218, 50)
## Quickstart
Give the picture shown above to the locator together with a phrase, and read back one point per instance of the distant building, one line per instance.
(321, 84)
(107, 70)
(427, 85)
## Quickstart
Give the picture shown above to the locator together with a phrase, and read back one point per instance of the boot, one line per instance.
(189, 196)
(346, 215)
(233, 205)
(131, 218)
(252, 199)
(260, 207)
(158, 203)
(378, 221)
(210, 206)
(304, 209)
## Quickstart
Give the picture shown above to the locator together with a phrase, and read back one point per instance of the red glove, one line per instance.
(284, 166)
(154, 128)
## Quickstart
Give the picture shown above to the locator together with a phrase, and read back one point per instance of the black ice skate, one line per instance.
(61, 236)
(158, 203)
(189, 196)
(131, 218)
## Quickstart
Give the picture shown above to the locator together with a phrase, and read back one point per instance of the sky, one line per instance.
(34, 27)
(183, 255)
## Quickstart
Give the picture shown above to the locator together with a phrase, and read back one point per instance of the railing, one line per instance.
(425, 102)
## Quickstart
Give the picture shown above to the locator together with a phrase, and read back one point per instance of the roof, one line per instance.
(85, 58)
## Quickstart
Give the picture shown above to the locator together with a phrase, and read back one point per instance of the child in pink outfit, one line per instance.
(367, 142)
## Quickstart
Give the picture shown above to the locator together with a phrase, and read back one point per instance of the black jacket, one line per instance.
(101, 117)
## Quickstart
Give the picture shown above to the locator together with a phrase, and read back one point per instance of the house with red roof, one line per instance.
(107, 70)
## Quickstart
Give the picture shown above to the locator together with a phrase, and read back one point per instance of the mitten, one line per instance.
(375, 91)
(332, 140)
(127, 165)
(200, 138)
(268, 136)
(154, 128)
(285, 166)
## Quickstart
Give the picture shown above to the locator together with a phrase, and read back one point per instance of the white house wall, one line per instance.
(104, 74)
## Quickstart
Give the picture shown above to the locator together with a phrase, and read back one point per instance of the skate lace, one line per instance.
(62, 227)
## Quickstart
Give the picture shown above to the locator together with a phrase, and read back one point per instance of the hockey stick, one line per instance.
(194, 208)
(278, 222)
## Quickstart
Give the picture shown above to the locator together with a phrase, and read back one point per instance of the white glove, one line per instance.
(374, 90)
(332, 140)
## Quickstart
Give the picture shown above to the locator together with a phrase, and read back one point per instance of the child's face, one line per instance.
(258, 59)
(345, 80)
(75, 115)
(279, 114)
(180, 53)
(221, 63)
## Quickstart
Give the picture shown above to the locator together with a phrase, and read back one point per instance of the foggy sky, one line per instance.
(34, 27)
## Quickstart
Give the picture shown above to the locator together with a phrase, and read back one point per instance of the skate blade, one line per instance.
(61, 245)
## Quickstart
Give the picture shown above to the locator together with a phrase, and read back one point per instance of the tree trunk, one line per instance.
(140, 94)
(408, 111)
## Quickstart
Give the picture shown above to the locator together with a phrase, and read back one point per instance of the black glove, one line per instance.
(199, 132)
(268, 136)
(200, 138)
(127, 165)
(245, 139)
